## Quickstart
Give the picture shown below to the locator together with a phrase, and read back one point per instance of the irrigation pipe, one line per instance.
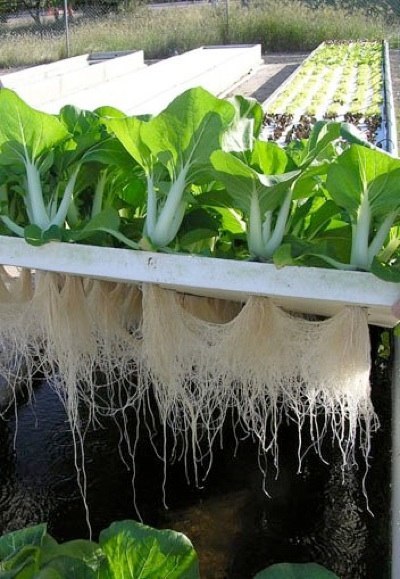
(390, 116)
(391, 147)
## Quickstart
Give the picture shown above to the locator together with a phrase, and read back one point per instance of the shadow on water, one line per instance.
(318, 515)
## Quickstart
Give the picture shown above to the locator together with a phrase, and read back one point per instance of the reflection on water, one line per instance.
(236, 529)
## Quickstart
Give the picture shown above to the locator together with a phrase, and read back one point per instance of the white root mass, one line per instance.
(264, 364)
(107, 347)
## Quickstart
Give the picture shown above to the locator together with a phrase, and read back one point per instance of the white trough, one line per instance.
(42, 71)
(137, 90)
(39, 85)
(309, 290)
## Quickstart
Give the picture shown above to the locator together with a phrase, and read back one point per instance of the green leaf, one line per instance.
(22, 564)
(189, 239)
(87, 551)
(242, 181)
(387, 272)
(107, 219)
(54, 233)
(128, 131)
(296, 571)
(246, 125)
(360, 171)
(65, 567)
(215, 198)
(231, 221)
(269, 158)
(322, 216)
(135, 550)
(283, 256)
(25, 131)
(13, 541)
(108, 111)
(188, 130)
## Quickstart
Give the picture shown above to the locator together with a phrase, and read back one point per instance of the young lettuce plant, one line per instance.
(173, 148)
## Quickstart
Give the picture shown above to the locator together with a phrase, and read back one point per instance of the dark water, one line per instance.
(236, 529)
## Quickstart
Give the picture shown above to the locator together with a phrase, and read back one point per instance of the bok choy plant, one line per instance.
(57, 173)
(267, 182)
(173, 148)
(27, 142)
(259, 188)
(366, 184)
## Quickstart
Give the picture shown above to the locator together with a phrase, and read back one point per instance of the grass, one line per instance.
(288, 25)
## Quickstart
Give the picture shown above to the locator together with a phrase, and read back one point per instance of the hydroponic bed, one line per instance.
(339, 80)
(192, 202)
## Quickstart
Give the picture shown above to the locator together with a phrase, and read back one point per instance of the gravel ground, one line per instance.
(269, 76)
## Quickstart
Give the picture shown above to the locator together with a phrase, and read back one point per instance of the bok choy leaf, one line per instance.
(173, 149)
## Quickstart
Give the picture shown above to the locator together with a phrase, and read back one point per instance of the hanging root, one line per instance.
(189, 362)
(16, 356)
(264, 364)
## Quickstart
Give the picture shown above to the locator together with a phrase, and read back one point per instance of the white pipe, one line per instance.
(390, 116)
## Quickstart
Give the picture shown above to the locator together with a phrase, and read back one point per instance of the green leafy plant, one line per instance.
(173, 149)
(197, 178)
(125, 549)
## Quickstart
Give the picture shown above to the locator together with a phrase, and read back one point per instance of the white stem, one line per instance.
(35, 205)
(359, 246)
(99, 193)
(280, 225)
(17, 229)
(163, 234)
(380, 236)
(151, 216)
(267, 226)
(178, 218)
(254, 234)
(61, 214)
